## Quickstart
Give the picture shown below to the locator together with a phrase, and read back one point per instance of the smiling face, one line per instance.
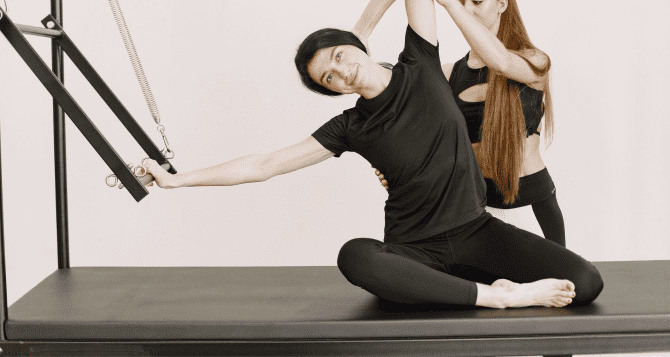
(486, 11)
(343, 69)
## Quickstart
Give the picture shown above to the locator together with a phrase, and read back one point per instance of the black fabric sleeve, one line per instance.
(333, 135)
(418, 49)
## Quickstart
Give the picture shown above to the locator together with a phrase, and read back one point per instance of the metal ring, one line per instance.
(116, 180)
(139, 171)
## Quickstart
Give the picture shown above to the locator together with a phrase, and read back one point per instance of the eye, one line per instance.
(337, 57)
(477, 2)
(330, 76)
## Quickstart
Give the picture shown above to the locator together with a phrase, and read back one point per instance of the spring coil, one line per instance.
(135, 60)
(146, 91)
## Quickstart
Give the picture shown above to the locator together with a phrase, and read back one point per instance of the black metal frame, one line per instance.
(53, 80)
(483, 346)
(65, 101)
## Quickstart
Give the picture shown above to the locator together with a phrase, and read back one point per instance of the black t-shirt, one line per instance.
(416, 135)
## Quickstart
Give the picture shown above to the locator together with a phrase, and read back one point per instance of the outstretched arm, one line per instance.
(251, 168)
(370, 18)
(492, 52)
(421, 17)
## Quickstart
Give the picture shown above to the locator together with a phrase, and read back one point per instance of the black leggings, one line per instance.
(444, 268)
(537, 190)
(550, 218)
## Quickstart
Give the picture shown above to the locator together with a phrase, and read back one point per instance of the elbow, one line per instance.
(266, 169)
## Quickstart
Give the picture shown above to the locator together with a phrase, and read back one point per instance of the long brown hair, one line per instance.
(504, 127)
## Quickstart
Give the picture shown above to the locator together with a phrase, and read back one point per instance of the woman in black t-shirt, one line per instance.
(516, 176)
(436, 227)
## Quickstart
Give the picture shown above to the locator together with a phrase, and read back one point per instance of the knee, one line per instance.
(588, 285)
(355, 255)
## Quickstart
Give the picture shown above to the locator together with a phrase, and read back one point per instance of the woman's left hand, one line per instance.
(163, 178)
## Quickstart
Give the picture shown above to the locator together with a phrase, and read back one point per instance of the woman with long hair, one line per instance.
(502, 88)
(436, 222)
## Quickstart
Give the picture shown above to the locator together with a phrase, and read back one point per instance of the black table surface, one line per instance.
(285, 303)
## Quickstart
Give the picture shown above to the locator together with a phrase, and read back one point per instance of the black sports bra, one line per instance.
(463, 77)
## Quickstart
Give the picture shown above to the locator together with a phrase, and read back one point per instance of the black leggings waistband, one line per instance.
(533, 188)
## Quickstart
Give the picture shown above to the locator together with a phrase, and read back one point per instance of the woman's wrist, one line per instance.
(374, 11)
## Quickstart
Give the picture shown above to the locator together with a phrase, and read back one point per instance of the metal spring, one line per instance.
(144, 85)
(134, 59)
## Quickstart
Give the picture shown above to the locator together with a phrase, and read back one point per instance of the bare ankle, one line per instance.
(497, 297)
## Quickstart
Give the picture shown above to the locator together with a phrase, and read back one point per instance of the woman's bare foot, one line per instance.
(505, 284)
(547, 292)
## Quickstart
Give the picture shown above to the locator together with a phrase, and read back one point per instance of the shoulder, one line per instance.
(418, 49)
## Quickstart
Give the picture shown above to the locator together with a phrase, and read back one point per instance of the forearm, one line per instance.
(246, 169)
(250, 168)
(370, 18)
(491, 51)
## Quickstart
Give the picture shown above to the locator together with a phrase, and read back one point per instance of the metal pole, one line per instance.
(59, 149)
(3, 283)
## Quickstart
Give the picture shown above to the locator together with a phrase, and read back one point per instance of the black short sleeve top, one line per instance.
(416, 135)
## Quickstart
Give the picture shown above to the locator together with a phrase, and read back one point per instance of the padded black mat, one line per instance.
(263, 303)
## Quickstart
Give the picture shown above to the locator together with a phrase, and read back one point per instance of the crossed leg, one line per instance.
(534, 271)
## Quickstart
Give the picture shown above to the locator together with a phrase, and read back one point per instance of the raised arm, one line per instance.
(421, 17)
(370, 18)
(492, 52)
(246, 169)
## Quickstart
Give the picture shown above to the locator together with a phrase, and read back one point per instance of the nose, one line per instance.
(344, 70)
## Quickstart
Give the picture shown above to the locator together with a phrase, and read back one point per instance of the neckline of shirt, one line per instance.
(370, 105)
(467, 56)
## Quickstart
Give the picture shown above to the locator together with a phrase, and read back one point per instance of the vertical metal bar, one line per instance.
(62, 232)
(3, 284)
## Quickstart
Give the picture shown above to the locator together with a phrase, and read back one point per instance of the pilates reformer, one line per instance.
(287, 311)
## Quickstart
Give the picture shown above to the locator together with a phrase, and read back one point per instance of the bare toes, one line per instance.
(566, 285)
(566, 294)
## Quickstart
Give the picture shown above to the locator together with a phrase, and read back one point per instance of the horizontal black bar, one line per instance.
(498, 346)
(70, 106)
(39, 31)
(108, 96)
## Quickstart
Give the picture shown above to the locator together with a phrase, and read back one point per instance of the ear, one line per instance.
(502, 6)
